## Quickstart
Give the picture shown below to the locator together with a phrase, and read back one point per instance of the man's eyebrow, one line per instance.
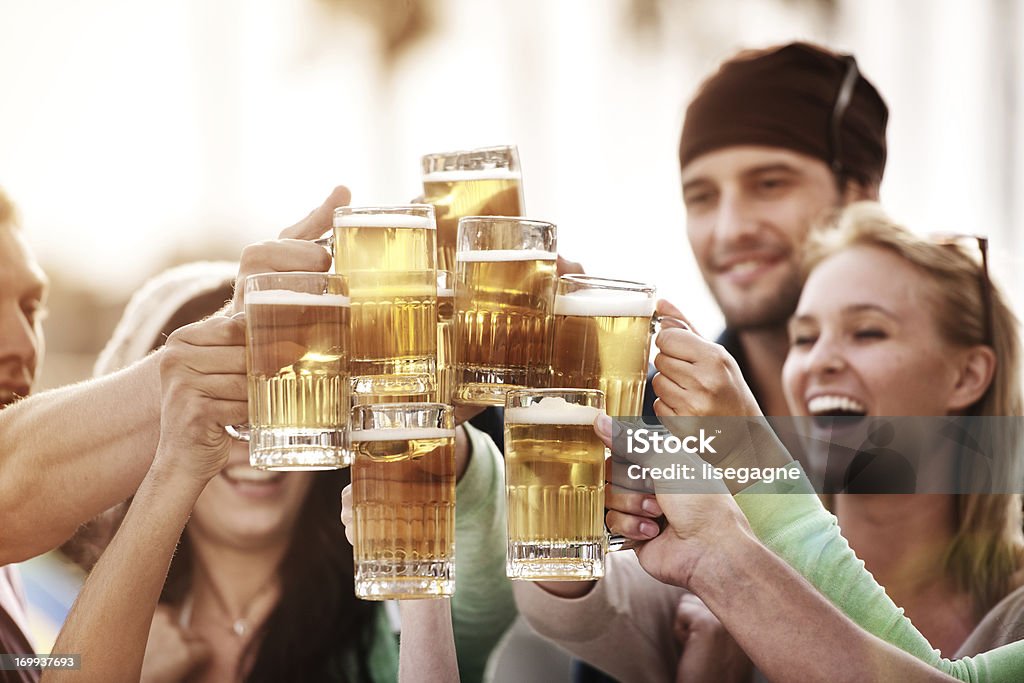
(779, 167)
(696, 182)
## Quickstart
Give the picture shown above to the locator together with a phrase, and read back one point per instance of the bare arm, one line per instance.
(203, 379)
(427, 650)
(86, 446)
(789, 630)
(109, 624)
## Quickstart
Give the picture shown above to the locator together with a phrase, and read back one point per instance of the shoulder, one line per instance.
(1003, 624)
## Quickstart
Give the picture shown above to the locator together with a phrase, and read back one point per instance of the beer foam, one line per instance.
(382, 220)
(607, 302)
(482, 174)
(401, 434)
(495, 255)
(286, 297)
(552, 410)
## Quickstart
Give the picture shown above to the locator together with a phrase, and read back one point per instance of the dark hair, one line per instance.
(318, 630)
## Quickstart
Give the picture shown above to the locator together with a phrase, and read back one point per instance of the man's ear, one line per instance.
(856, 191)
(977, 368)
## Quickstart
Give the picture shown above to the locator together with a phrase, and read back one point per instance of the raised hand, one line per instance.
(203, 386)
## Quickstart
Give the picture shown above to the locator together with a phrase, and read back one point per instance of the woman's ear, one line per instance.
(977, 368)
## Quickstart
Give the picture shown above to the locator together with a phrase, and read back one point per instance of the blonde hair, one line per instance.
(988, 546)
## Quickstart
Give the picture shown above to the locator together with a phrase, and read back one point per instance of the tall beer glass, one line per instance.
(602, 339)
(479, 182)
(297, 360)
(554, 478)
(504, 293)
(387, 254)
(403, 494)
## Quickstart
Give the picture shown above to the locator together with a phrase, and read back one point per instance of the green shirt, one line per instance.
(801, 531)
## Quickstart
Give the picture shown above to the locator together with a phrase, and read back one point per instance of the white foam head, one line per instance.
(495, 255)
(552, 410)
(606, 302)
(482, 174)
(382, 220)
(286, 297)
(401, 434)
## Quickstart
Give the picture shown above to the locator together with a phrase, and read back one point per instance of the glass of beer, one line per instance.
(602, 339)
(445, 329)
(297, 360)
(387, 255)
(403, 494)
(554, 480)
(479, 182)
(504, 293)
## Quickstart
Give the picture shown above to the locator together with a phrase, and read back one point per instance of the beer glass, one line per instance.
(445, 343)
(387, 255)
(602, 339)
(403, 494)
(297, 363)
(479, 182)
(554, 479)
(504, 293)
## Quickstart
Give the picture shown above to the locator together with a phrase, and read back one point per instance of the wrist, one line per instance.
(167, 474)
(717, 569)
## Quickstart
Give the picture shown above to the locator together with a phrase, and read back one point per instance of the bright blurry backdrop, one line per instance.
(136, 135)
(139, 134)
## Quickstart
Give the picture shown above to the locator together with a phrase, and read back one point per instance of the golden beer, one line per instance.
(483, 182)
(388, 257)
(503, 323)
(602, 339)
(297, 357)
(555, 479)
(445, 336)
(403, 492)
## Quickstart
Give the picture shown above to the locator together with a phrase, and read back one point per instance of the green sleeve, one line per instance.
(801, 531)
(483, 606)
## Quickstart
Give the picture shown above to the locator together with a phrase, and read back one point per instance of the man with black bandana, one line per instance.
(772, 142)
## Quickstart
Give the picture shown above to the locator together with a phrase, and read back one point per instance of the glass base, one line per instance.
(484, 386)
(287, 449)
(392, 385)
(405, 580)
(556, 561)
(474, 394)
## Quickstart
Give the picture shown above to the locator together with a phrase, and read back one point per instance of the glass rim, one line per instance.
(293, 274)
(411, 405)
(530, 222)
(417, 210)
(609, 283)
(476, 150)
(553, 391)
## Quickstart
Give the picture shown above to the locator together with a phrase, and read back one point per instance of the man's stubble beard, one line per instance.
(767, 311)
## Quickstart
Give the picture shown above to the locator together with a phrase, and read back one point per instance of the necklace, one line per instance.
(241, 626)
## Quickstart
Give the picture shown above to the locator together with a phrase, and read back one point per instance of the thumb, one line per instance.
(320, 219)
(673, 317)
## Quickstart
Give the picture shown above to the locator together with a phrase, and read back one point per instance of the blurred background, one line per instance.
(137, 135)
